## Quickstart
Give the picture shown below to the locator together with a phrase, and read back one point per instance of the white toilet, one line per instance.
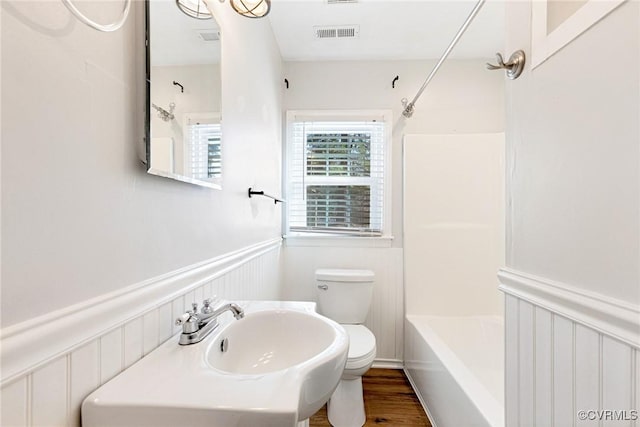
(345, 296)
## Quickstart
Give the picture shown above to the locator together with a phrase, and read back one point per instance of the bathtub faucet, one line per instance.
(197, 326)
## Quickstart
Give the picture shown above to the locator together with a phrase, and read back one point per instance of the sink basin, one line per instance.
(270, 341)
(275, 367)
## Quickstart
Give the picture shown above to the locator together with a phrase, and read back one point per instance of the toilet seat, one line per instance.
(362, 346)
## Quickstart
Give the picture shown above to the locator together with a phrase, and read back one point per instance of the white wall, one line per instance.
(573, 233)
(453, 223)
(573, 157)
(80, 217)
(463, 98)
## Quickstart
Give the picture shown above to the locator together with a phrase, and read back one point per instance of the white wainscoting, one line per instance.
(568, 351)
(51, 363)
(386, 315)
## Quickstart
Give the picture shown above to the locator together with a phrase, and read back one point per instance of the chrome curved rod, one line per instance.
(409, 107)
(100, 27)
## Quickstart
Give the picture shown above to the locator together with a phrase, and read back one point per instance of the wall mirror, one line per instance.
(184, 130)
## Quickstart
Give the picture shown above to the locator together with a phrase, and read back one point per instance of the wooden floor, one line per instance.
(388, 400)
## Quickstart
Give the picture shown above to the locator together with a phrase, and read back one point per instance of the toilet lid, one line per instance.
(362, 342)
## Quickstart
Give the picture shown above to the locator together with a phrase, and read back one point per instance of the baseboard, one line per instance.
(388, 364)
(30, 344)
(612, 317)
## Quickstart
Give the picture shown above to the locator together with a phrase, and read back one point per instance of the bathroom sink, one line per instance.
(270, 341)
(275, 367)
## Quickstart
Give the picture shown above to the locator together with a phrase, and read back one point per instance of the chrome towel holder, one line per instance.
(513, 66)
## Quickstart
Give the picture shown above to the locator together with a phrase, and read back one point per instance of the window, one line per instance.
(203, 155)
(336, 173)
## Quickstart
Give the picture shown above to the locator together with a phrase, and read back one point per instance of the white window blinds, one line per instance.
(204, 156)
(336, 177)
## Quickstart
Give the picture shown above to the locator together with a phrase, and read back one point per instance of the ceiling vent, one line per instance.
(337, 32)
(208, 35)
(341, 1)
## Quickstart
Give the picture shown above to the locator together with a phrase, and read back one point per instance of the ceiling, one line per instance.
(388, 29)
(174, 38)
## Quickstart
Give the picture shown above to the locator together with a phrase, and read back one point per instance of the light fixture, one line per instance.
(252, 8)
(194, 8)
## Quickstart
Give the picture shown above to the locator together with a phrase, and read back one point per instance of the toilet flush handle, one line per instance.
(323, 287)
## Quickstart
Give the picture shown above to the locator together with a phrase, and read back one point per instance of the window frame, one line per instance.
(341, 115)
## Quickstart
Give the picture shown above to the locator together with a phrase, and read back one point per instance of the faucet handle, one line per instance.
(194, 306)
(207, 309)
(183, 319)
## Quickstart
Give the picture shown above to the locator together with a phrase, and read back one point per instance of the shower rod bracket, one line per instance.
(513, 66)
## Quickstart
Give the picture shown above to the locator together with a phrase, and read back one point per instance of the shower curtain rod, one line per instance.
(409, 107)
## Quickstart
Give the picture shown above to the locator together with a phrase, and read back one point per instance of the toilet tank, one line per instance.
(344, 295)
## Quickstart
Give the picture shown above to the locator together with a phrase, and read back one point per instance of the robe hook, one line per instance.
(514, 66)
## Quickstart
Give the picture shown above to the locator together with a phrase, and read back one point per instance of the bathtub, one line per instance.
(456, 367)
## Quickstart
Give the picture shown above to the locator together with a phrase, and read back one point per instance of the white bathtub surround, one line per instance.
(455, 365)
(49, 368)
(454, 223)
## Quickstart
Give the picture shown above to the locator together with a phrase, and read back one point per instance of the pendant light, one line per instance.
(194, 8)
(252, 8)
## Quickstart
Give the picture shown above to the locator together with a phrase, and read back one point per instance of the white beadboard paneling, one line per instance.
(50, 394)
(85, 377)
(543, 395)
(576, 368)
(208, 290)
(512, 374)
(165, 322)
(616, 379)
(177, 310)
(199, 295)
(563, 362)
(150, 331)
(190, 298)
(526, 367)
(110, 355)
(14, 404)
(133, 341)
(587, 368)
(398, 280)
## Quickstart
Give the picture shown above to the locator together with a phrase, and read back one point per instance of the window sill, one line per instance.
(310, 240)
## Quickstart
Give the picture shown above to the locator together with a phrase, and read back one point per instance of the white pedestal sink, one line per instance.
(275, 367)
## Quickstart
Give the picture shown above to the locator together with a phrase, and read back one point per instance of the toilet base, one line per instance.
(346, 406)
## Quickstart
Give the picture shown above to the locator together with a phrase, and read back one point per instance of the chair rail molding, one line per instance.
(24, 348)
(609, 316)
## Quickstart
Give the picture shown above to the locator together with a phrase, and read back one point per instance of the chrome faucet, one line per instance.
(196, 326)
